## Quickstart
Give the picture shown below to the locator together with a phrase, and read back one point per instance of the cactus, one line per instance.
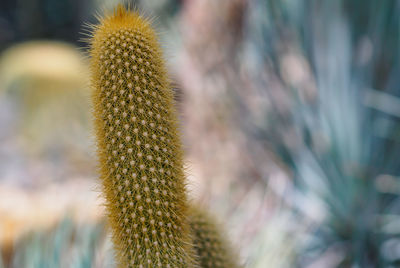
(211, 248)
(139, 148)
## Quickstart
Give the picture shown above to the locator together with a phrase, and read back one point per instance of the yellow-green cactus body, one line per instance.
(212, 250)
(139, 147)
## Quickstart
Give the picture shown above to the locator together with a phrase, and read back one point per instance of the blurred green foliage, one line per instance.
(344, 151)
(68, 245)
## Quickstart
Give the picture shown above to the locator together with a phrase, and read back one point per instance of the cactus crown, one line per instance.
(139, 148)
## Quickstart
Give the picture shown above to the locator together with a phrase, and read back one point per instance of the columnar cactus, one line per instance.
(211, 248)
(138, 144)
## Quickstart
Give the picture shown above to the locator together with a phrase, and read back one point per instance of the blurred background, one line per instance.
(290, 112)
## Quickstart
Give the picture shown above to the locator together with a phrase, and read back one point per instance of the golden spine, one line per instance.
(139, 148)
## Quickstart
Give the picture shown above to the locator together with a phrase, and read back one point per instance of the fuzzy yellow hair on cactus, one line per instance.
(212, 249)
(139, 148)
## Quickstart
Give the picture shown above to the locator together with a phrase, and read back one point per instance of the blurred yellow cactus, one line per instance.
(48, 82)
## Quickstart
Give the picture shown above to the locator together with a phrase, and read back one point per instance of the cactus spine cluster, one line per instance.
(211, 248)
(139, 149)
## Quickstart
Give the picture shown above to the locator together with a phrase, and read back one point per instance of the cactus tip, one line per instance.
(120, 11)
